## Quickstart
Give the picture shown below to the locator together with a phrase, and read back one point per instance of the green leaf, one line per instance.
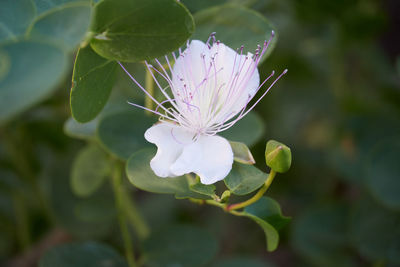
(75, 214)
(45, 5)
(241, 153)
(140, 175)
(242, 262)
(180, 245)
(208, 190)
(271, 234)
(15, 18)
(195, 5)
(122, 133)
(96, 209)
(235, 26)
(244, 179)
(88, 254)
(75, 129)
(4, 64)
(248, 130)
(375, 232)
(320, 235)
(89, 170)
(278, 156)
(269, 210)
(383, 171)
(26, 82)
(66, 25)
(267, 213)
(93, 79)
(135, 30)
(117, 102)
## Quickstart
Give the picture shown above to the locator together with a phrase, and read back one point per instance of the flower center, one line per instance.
(210, 85)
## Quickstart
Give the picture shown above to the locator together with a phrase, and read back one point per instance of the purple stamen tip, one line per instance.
(273, 73)
(272, 33)
(285, 71)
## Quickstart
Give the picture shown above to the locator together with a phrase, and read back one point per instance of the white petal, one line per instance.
(170, 140)
(216, 77)
(189, 69)
(210, 157)
(236, 95)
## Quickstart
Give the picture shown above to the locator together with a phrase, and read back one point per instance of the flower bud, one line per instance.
(225, 196)
(278, 156)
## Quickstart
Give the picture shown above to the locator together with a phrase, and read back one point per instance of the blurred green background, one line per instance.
(338, 109)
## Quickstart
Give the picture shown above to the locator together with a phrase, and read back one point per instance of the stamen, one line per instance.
(153, 111)
(141, 87)
(204, 102)
(272, 84)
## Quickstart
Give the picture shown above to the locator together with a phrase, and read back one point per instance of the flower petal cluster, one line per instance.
(209, 89)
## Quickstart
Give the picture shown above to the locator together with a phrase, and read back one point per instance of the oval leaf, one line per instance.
(87, 254)
(140, 175)
(208, 190)
(85, 131)
(122, 133)
(76, 214)
(135, 30)
(271, 234)
(89, 170)
(383, 171)
(15, 18)
(234, 26)
(269, 210)
(241, 153)
(248, 130)
(26, 82)
(67, 24)
(244, 179)
(180, 245)
(92, 81)
(45, 5)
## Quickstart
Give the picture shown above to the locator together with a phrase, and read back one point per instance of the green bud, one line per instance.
(278, 156)
(225, 196)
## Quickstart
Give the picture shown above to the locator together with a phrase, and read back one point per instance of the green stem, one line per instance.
(256, 197)
(22, 223)
(215, 203)
(134, 217)
(23, 168)
(119, 199)
(149, 85)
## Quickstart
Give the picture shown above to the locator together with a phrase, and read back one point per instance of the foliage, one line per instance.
(337, 110)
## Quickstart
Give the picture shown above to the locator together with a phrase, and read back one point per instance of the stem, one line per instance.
(22, 223)
(215, 203)
(134, 217)
(119, 201)
(24, 169)
(256, 197)
(149, 85)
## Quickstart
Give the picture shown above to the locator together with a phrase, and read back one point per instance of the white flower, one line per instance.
(210, 87)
